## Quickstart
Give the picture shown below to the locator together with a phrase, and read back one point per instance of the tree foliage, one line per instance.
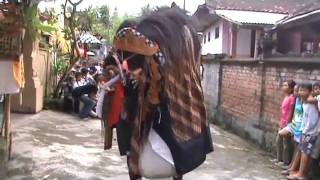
(33, 23)
(101, 21)
(68, 61)
(104, 16)
(146, 10)
(96, 20)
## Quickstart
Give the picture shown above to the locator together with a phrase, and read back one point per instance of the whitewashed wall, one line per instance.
(244, 42)
(215, 45)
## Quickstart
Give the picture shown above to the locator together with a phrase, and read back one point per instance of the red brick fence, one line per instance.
(245, 96)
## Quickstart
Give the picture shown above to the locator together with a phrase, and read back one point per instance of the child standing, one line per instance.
(294, 129)
(310, 130)
(316, 151)
(284, 143)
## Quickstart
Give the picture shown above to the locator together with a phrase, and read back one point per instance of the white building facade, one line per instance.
(234, 33)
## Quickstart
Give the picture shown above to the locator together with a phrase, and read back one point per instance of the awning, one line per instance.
(89, 39)
(250, 17)
(300, 17)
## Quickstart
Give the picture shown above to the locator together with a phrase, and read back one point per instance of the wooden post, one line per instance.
(3, 149)
(7, 123)
(13, 38)
(7, 116)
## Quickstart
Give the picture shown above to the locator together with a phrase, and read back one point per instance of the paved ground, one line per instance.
(58, 146)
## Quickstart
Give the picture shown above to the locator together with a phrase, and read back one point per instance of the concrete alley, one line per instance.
(58, 146)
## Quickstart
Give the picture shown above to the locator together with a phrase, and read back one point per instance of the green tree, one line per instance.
(100, 21)
(105, 25)
(87, 18)
(104, 16)
(71, 36)
(116, 22)
(33, 24)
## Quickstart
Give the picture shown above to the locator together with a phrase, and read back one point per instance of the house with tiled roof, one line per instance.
(282, 28)
(299, 34)
(235, 31)
(242, 94)
(273, 6)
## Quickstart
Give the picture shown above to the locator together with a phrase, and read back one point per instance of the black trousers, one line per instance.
(76, 104)
(124, 132)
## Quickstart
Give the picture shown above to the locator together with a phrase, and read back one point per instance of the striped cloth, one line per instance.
(182, 86)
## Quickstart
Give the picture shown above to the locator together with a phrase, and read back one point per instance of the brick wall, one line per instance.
(250, 95)
(241, 91)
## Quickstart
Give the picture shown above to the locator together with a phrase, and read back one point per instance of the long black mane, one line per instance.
(166, 26)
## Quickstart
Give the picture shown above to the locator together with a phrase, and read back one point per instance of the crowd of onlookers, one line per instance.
(81, 89)
(298, 145)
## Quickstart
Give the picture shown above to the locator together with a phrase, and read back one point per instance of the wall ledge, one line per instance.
(272, 60)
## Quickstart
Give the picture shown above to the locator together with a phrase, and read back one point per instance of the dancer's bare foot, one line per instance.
(293, 173)
(300, 176)
(296, 178)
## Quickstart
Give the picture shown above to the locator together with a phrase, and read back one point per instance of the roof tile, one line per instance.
(274, 6)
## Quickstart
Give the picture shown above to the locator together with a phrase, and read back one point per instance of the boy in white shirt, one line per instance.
(310, 131)
(316, 91)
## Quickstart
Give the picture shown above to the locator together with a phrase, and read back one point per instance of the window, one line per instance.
(204, 39)
(209, 36)
(307, 47)
(217, 32)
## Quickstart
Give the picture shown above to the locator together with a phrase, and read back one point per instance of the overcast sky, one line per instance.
(131, 7)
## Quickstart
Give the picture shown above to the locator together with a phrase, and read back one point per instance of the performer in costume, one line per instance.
(163, 54)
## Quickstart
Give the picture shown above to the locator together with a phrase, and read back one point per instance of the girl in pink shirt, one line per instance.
(287, 106)
(284, 143)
